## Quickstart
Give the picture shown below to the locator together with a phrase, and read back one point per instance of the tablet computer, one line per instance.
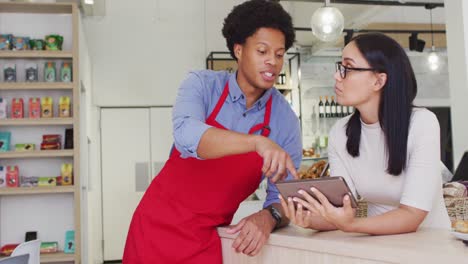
(334, 188)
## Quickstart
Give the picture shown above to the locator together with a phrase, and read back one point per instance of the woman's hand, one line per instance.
(276, 161)
(299, 217)
(342, 217)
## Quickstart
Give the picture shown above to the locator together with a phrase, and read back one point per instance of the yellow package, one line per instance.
(47, 107)
(64, 106)
(67, 174)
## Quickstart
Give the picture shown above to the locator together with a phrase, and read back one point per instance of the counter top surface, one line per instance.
(426, 245)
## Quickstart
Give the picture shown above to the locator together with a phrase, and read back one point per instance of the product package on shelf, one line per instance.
(3, 108)
(12, 176)
(37, 44)
(53, 42)
(69, 246)
(47, 181)
(25, 147)
(51, 142)
(9, 72)
(29, 181)
(5, 41)
(67, 174)
(66, 72)
(49, 72)
(34, 107)
(32, 72)
(5, 139)
(2, 176)
(49, 247)
(17, 108)
(20, 43)
(7, 249)
(47, 107)
(68, 138)
(64, 106)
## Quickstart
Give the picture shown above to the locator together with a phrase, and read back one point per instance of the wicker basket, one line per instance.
(457, 208)
(361, 210)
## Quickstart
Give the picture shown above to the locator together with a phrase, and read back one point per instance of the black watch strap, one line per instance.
(275, 213)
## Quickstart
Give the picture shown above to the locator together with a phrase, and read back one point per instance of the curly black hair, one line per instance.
(245, 19)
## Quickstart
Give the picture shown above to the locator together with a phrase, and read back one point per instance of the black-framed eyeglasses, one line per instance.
(343, 69)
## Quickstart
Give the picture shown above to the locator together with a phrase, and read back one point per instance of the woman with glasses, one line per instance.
(388, 151)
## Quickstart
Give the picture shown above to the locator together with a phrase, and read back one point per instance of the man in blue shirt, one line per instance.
(230, 131)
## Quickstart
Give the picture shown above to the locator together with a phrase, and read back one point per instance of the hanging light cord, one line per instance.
(432, 31)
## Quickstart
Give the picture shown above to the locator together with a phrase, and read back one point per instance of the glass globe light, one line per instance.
(433, 60)
(327, 23)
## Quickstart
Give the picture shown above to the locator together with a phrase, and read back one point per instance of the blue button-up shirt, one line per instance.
(196, 99)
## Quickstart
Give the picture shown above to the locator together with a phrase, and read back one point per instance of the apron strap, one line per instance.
(219, 104)
(265, 126)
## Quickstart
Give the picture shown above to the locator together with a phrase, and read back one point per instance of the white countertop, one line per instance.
(424, 246)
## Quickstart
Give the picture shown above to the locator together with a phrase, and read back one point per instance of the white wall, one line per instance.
(457, 41)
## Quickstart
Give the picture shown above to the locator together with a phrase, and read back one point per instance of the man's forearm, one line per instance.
(217, 143)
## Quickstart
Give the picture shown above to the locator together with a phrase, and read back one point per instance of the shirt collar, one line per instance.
(236, 93)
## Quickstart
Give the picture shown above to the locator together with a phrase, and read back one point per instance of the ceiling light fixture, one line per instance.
(327, 23)
(433, 58)
(89, 2)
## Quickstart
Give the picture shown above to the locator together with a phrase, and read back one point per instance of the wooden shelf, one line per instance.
(37, 122)
(37, 154)
(36, 190)
(36, 54)
(314, 159)
(36, 86)
(57, 257)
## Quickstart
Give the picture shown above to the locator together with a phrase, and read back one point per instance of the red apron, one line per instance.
(177, 217)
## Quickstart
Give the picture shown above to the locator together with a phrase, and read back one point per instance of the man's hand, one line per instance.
(276, 161)
(254, 232)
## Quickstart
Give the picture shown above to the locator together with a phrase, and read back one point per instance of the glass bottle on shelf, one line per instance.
(333, 107)
(327, 108)
(339, 110)
(323, 138)
(344, 110)
(321, 108)
(350, 110)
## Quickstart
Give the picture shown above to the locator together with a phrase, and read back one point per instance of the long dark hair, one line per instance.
(385, 55)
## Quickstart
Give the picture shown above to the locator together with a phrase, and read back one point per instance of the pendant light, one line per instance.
(433, 59)
(327, 23)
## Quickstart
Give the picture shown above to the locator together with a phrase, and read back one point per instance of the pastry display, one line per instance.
(314, 171)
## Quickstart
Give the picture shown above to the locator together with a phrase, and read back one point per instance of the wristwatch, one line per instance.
(275, 213)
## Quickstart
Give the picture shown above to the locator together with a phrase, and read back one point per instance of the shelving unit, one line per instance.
(67, 196)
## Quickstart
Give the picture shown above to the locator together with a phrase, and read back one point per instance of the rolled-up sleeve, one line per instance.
(293, 146)
(188, 116)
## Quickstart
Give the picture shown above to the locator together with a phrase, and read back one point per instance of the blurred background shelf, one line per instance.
(37, 154)
(36, 190)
